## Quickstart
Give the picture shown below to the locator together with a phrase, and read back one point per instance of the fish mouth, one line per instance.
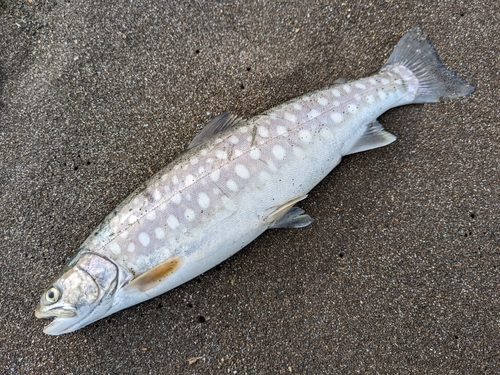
(60, 312)
(63, 322)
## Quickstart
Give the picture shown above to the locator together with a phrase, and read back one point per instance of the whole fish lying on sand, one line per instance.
(237, 179)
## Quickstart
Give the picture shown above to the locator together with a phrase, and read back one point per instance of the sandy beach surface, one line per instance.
(399, 273)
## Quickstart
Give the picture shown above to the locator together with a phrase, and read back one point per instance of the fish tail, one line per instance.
(416, 53)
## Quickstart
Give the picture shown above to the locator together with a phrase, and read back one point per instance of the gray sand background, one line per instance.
(398, 274)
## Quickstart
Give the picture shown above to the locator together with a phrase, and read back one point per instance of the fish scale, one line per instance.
(237, 179)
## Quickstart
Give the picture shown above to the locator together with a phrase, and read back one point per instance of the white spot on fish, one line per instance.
(136, 201)
(352, 108)
(203, 200)
(218, 140)
(279, 152)
(281, 130)
(159, 233)
(347, 88)
(157, 195)
(144, 239)
(201, 170)
(232, 185)
(272, 115)
(238, 153)
(228, 203)
(215, 191)
(313, 114)
(189, 180)
(115, 248)
(272, 166)
(298, 152)
(209, 161)
(359, 85)
(194, 161)
(326, 133)
(204, 152)
(189, 214)
(336, 93)
(398, 81)
(177, 198)
(255, 154)
(264, 176)
(336, 117)
(131, 247)
(221, 154)
(384, 81)
(290, 117)
(297, 106)
(151, 216)
(215, 175)
(373, 81)
(175, 180)
(370, 99)
(262, 130)
(323, 101)
(242, 171)
(172, 222)
(234, 139)
(243, 129)
(124, 234)
(305, 136)
(381, 94)
(336, 103)
(132, 219)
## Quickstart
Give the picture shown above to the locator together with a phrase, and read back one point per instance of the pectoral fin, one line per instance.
(155, 275)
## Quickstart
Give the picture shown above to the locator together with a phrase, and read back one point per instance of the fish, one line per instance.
(237, 179)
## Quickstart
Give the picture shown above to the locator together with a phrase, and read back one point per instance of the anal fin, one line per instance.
(155, 275)
(374, 137)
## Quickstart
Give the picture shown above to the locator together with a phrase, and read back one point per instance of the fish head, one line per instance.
(82, 294)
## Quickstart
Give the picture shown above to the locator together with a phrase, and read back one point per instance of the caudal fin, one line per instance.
(416, 53)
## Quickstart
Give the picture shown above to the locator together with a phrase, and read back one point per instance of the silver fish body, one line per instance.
(237, 179)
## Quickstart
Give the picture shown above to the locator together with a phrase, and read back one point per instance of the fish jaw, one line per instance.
(69, 320)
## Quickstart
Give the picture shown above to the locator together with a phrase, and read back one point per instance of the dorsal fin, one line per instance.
(155, 275)
(216, 125)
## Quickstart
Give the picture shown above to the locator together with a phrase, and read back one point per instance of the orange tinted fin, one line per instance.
(154, 276)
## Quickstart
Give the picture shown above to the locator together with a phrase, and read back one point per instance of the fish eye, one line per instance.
(52, 295)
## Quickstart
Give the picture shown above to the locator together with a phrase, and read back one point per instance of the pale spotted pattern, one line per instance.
(212, 179)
